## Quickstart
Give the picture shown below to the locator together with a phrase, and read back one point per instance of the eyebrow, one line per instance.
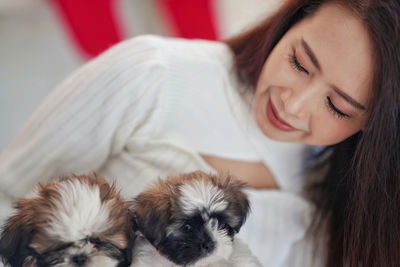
(315, 61)
(348, 98)
(311, 54)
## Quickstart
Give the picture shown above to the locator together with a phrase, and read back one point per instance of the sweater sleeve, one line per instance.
(85, 120)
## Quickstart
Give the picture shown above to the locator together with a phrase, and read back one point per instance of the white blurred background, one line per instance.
(37, 51)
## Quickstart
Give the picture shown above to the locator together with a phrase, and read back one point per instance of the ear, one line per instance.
(131, 236)
(152, 214)
(239, 206)
(242, 207)
(14, 241)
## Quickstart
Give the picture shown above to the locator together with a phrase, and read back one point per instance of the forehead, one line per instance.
(201, 195)
(342, 46)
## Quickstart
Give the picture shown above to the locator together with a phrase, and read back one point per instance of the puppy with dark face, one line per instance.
(76, 221)
(190, 219)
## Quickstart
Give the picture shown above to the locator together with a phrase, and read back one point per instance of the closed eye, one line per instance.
(112, 250)
(222, 222)
(54, 261)
(294, 62)
(335, 111)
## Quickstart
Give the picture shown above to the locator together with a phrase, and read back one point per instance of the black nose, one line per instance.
(80, 260)
(208, 246)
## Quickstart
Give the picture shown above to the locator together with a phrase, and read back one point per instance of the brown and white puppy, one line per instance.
(75, 221)
(191, 220)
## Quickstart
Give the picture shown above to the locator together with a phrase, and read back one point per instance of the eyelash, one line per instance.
(337, 112)
(331, 107)
(296, 64)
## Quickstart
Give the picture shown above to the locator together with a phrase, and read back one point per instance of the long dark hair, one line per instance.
(359, 198)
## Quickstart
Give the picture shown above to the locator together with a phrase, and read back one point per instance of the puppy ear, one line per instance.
(152, 215)
(131, 237)
(14, 241)
(242, 207)
(239, 206)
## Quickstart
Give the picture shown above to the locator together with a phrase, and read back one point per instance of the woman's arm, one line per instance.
(85, 120)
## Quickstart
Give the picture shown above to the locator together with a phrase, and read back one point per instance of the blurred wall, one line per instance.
(36, 53)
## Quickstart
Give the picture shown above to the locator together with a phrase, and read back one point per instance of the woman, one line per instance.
(358, 196)
(317, 73)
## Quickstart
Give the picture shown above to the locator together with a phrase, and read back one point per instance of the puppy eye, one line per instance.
(187, 227)
(226, 227)
(96, 242)
(223, 226)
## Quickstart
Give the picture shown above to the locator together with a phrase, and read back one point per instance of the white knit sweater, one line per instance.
(148, 108)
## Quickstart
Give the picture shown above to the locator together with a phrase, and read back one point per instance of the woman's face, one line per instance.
(315, 86)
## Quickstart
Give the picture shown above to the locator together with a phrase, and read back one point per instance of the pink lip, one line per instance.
(276, 121)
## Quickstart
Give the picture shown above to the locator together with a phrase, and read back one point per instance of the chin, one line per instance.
(75, 221)
(191, 220)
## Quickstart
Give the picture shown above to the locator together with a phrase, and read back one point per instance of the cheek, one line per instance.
(262, 83)
(329, 131)
(275, 72)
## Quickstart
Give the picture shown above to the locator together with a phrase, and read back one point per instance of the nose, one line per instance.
(80, 259)
(298, 101)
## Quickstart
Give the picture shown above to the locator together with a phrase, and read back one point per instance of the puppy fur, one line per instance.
(75, 221)
(191, 220)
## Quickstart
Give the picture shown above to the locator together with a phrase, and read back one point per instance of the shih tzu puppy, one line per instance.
(191, 220)
(82, 221)
(75, 221)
